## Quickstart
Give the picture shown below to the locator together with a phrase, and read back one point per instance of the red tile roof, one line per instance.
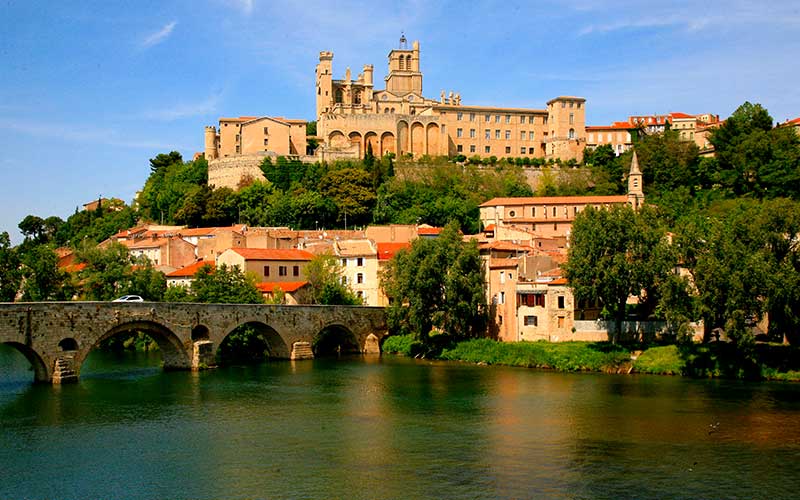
(680, 115)
(273, 254)
(387, 250)
(555, 200)
(286, 286)
(613, 126)
(429, 230)
(190, 270)
(559, 281)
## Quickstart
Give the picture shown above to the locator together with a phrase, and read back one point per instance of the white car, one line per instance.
(129, 298)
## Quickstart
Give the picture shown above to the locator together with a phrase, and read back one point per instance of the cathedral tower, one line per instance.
(404, 75)
(324, 82)
(635, 188)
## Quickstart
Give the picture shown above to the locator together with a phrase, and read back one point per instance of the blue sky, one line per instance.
(90, 90)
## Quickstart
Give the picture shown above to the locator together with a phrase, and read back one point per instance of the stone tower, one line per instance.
(324, 82)
(211, 151)
(635, 188)
(566, 125)
(404, 75)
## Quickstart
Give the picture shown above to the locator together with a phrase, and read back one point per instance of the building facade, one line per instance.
(353, 117)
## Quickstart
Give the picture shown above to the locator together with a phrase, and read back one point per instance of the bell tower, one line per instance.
(635, 188)
(404, 75)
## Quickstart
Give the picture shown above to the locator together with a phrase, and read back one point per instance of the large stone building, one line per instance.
(354, 117)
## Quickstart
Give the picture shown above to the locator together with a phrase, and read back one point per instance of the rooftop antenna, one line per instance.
(403, 41)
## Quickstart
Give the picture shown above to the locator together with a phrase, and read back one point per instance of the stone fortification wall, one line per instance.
(229, 172)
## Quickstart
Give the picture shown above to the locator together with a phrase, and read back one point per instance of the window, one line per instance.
(295, 270)
(459, 132)
(522, 119)
(572, 133)
(360, 261)
(508, 150)
(266, 271)
(357, 98)
(522, 135)
(266, 130)
(508, 118)
(282, 271)
(561, 322)
(471, 148)
(531, 321)
(530, 135)
(497, 134)
(544, 120)
(344, 262)
(472, 117)
(554, 211)
(238, 148)
(572, 118)
(531, 151)
(512, 213)
(266, 142)
(561, 302)
(502, 277)
(487, 134)
(338, 97)
(487, 149)
(459, 116)
(460, 148)
(571, 104)
(497, 118)
(502, 297)
(487, 118)
(360, 278)
(508, 134)
(563, 104)
(522, 150)
(472, 133)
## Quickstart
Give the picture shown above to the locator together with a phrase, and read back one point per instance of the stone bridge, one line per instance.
(56, 337)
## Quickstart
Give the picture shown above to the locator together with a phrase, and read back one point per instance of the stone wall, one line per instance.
(230, 171)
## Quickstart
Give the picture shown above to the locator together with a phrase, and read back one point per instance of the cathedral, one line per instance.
(353, 118)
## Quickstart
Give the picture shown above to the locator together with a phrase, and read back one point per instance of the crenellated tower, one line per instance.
(324, 82)
(211, 151)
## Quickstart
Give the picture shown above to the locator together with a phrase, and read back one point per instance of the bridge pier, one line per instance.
(203, 355)
(301, 350)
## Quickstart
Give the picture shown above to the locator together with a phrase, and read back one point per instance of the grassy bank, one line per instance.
(766, 361)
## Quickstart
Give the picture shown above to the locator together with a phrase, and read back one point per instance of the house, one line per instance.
(267, 264)
(293, 291)
(185, 275)
(385, 252)
(359, 260)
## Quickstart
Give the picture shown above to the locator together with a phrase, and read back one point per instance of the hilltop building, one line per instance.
(622, 135)
(354, 117)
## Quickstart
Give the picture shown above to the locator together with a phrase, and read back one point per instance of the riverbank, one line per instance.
(769, 361)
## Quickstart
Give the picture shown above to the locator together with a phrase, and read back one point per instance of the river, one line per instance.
(390, 428)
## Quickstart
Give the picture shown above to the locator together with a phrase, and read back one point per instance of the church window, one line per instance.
(472, 133)
(408, 63)
(459, 132)
(411, 98)
(572, 133)
(357, 97)
(338, 97)
(384, 97)
(572, 118)
(319, 91)
(386, 110)
(266, 142)
(402, 62)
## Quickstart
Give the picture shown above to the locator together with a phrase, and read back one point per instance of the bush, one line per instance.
(404, 345)
(564, 356)
(660, 360)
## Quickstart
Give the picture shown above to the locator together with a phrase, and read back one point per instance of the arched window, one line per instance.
(386, 110)
(408, 63)
(402, 62)
(338, 97)
(357, 97)
(572, 133)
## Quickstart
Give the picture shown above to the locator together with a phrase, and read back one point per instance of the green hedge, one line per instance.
(564, 356)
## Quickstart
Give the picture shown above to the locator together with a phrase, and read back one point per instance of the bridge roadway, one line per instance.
(56, 337)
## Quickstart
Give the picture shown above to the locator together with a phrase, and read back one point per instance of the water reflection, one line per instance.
(390, 428)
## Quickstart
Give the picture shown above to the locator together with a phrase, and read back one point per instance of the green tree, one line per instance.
(10, 273)
(42, 278)
(225, 285)
(437, 284)
(614, 254)
(108, 270)
(351, 191)
(324, 275)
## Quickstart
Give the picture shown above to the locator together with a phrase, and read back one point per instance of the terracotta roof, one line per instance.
(559, 281)
(387, 250)
(422, 230)
(498, 263)
(286, 286)
(507, 246)
(613, 126)
(74, 268)
(352, 248)
(680, 115)
(190, 270)
(555, 200)
(489, 228)
(273, 254)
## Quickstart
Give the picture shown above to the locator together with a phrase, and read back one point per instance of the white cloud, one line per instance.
(184, 110)
(246, 6)
(79, 133)
(159, 36)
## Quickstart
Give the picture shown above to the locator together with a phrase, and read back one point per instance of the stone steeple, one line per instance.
(635, 188)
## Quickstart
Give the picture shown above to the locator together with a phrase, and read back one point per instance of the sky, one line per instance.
(91, 90)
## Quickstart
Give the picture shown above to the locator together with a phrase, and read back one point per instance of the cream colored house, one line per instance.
(268, 265)
(359, 261)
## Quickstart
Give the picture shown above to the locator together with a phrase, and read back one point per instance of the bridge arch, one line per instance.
(173, 352)
(273, 342)
(200, 332)
(40, 372)
(335, 339)
(68, 344)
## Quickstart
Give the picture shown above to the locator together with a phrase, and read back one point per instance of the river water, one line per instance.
(390, 428)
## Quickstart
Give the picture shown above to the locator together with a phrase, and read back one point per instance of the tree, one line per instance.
(324, 275)
(351, 191)
(31, 227)
(225, 285)
(10, 274)
(614, 254)
(437, 284)
(42, 278)
(162, 161)
(109, 273)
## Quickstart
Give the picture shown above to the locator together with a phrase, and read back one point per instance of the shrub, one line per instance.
(405, 345)
(660, 360)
